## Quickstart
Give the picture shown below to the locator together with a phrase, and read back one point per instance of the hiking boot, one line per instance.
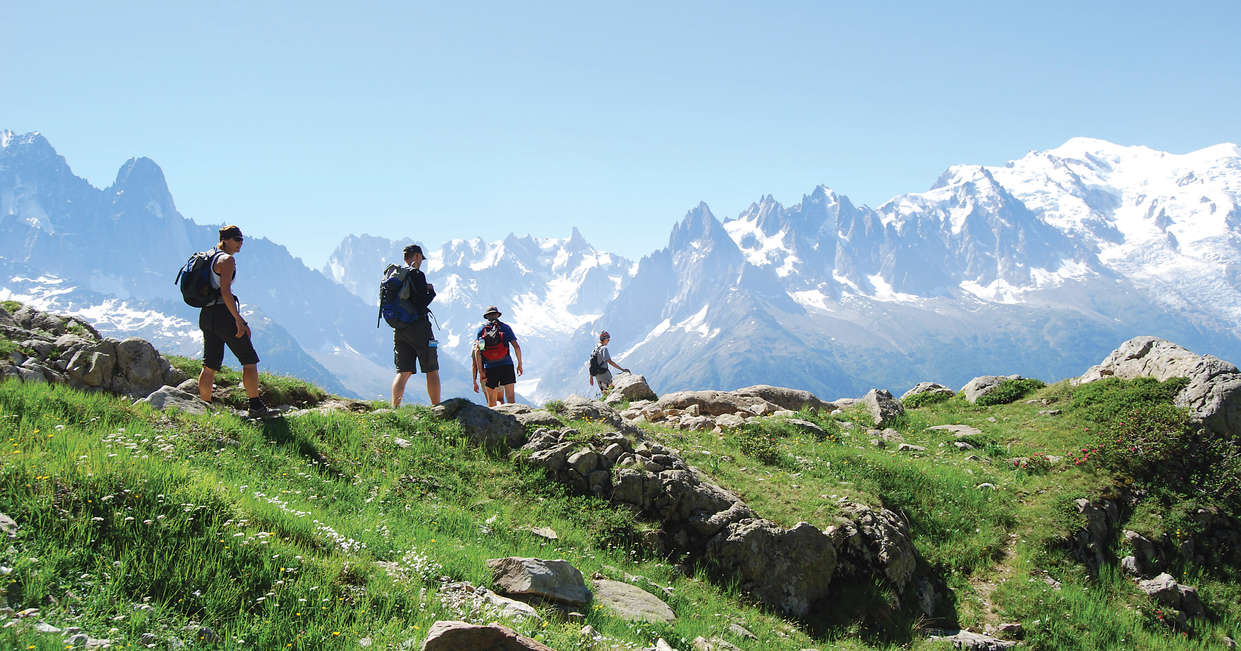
(260, 411)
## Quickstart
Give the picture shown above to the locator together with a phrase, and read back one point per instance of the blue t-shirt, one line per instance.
(509, 338)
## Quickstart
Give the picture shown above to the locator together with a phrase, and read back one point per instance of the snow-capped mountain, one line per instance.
(111, 256)
(1038, 267)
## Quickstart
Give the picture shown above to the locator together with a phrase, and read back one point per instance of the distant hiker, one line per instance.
(599, 360)
(494, 339)
(221, 322)
(403, 299)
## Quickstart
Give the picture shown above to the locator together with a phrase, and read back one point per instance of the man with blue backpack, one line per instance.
(404, 297)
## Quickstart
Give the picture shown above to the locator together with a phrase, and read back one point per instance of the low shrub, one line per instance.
(1009, 391)
(10, 306)
(1105, 400)
(554, 406)
(756, 441)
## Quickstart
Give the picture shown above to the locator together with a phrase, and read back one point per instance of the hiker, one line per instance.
(413, 344)
(599, 360)
(477, 373)
(493, 340)
(222, 324)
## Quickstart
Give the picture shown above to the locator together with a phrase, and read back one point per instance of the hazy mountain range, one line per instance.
(1038, 267)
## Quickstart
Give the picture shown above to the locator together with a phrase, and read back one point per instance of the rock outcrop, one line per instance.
(68, 350)
(1213, 395)
(788, 569)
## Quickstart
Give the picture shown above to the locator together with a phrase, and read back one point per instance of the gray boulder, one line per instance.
(7, 319)
(446, 635)
(1165, 590)
(984, 384)
(553, 580)
(140, 369)
(884, 409)
(791, 399)
(631, 387)
(167, 397)
(92, 365)
(632, 603)
(789, 569)
(1213, 395)
(481, 425)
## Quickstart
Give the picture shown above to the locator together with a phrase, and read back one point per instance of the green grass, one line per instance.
(275, 389)
(10, 306)
(274, 534)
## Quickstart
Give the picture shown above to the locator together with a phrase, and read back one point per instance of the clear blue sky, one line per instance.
(307, 121)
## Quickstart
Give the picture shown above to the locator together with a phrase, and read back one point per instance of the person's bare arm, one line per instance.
(227, 268)
(517, 349)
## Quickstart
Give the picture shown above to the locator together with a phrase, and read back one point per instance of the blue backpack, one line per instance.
(395, 303)
(195, 279)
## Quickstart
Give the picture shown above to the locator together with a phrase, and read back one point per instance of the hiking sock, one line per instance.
(257, 404)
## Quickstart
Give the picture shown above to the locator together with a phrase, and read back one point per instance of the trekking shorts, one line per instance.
(502, 375)
(219, 328)
(604, 380)
(411, 348)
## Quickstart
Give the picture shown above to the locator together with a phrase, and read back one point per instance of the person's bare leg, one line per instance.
(510, 393)
(433, 387)
(250, 380)
(206, 379)
(398, 388)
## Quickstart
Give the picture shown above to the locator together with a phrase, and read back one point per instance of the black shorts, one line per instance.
(498, 376)
(411, 348)
(219, 328)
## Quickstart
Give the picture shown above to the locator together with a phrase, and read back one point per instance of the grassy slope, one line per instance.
(271, 535)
